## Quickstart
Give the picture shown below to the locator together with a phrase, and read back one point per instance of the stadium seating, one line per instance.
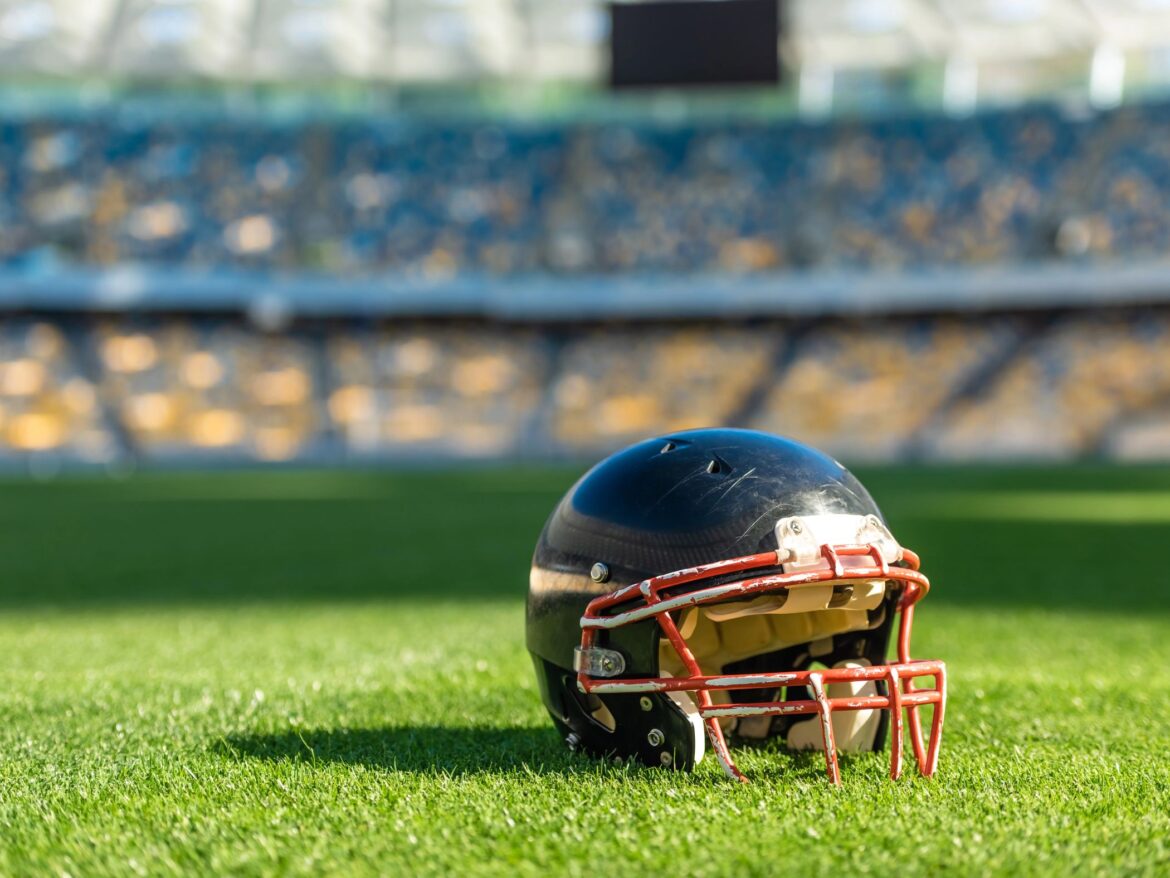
(1080, 378)
(866, 389)
(106, 390)
(434, 390)
(207, 389)
(47, 404)
(417, 199)
(433, 199)
(616, 386)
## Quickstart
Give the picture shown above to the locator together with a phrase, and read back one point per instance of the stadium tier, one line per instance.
(433, 199)
(709, 273)
(110, 390)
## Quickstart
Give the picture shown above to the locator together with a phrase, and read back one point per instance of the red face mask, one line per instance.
(821, 558)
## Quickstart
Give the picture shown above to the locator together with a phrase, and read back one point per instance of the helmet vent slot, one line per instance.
(842, 595)
(667, 448)
(713, 467)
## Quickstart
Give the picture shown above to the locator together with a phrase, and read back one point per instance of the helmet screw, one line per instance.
(572, 740)
(655, 737)
(665, 758)
(608, 665)
(599, 573)
(795, 527)
(645, 703)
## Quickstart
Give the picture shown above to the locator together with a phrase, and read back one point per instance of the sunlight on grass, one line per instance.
(343, 688)
(1114, 507)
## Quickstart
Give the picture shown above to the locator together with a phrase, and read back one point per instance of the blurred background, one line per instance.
(330, 231)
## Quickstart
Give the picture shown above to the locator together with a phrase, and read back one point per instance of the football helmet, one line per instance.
(717, 584)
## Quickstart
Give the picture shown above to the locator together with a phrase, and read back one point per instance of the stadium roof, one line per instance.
(461, 40)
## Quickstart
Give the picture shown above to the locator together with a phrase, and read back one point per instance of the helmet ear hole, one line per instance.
(593, 707)
(602, 715)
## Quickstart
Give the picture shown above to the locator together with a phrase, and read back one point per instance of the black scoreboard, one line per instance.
(694, 42)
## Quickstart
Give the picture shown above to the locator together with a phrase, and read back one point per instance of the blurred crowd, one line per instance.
(110, 390)
(435, 199)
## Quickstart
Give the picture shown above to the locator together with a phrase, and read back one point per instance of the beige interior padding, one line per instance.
(724, 633)
(853, 730)
(730, 632)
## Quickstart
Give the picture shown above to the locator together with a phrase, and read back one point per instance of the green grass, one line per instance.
(303, 673)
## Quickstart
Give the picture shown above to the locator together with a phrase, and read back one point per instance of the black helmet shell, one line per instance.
(668, 503)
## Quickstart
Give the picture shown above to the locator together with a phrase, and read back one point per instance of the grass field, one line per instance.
(300, 672)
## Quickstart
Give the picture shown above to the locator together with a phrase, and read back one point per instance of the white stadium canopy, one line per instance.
(405, 41)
